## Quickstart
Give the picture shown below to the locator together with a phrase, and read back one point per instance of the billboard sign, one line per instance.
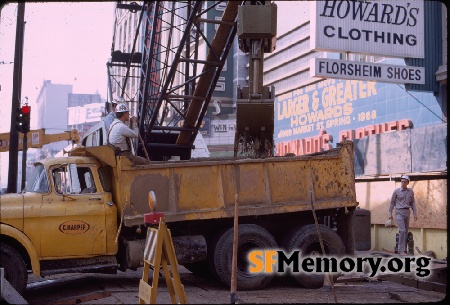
(85, 114)
(318, 116)
(392, 28)
(332, 68)
(94, 112)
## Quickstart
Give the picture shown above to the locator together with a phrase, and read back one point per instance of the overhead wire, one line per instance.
(442, 120)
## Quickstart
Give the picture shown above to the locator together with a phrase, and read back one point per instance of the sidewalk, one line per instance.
(437, 281)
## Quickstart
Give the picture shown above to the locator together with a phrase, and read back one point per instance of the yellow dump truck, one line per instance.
(85, 212)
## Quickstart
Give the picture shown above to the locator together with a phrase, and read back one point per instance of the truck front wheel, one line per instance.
(306, 240)
(14, 266)
(250, 237)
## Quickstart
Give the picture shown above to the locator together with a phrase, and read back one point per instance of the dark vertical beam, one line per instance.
(24, 160)
(16, 98)
(433, 48)
(345, 229)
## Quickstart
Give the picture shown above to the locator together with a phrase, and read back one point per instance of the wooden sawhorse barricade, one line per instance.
(159, 251)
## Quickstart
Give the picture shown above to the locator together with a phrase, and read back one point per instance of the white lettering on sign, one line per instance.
(386, 27)
(331, 68)
(220, 86)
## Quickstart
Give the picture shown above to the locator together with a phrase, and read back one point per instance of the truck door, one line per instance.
(73, 214)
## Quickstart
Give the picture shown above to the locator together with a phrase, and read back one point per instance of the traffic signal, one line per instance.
(26, 110)
(23, 118)
(19, 118)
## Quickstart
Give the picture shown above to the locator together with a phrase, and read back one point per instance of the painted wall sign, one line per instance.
(385, 27)
(322, 141)
(332, 68)
(316, 117)
(223, 131)
(224, 86)
(74, 227)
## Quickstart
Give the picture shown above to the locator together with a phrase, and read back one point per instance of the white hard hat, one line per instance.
(122, 107)
(118, 100)
(405, 177)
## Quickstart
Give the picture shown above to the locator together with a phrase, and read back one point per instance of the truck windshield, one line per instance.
(38, 181)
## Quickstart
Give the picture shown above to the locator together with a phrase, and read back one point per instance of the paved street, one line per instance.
(123, 289)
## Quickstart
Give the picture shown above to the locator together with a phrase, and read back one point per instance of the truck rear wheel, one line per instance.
(15, 268)
(250, 237)
(306, 240)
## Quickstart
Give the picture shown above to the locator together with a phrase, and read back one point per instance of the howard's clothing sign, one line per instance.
(387, 28)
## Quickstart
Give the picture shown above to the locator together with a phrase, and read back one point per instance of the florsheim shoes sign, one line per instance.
(331, 68)
(387, 28)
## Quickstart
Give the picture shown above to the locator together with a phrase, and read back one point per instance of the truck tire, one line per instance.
(306, 240)
(14, 266)
(250, 237)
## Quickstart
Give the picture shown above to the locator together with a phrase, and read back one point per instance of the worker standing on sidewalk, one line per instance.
(403, 199)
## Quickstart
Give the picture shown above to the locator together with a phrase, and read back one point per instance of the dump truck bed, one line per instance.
(206, 188)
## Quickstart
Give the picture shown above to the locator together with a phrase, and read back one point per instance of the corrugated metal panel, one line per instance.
(387, 153)
(433, 48)
(360, 155)
(413, 150)
(429, 148)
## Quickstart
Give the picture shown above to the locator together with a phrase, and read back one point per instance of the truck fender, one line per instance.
(26, 243)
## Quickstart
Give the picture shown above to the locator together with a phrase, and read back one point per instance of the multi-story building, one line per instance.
(124, 42)
(396, 128)
(81, 111)
(51, 102)
(84, 111)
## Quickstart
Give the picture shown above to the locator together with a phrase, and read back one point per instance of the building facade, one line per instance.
(124, 42)
(84, 111)
(396, 129)
(52, 100)
(81, 111)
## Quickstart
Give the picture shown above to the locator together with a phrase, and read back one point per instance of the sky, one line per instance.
(67, 43)
(70, 43)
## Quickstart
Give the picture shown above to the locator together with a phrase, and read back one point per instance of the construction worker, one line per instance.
(120, 134)
(403, 200)
(112, 115)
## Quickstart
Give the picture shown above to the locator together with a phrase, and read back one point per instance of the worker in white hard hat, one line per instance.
(120, 135)
(403, 200)
(112, 115)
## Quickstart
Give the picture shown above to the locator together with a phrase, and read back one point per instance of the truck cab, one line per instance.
(63, 217)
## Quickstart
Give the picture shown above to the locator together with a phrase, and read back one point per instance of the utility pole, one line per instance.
(16, 99)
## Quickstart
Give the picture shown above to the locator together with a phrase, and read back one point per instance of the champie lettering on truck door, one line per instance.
(74, 227)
